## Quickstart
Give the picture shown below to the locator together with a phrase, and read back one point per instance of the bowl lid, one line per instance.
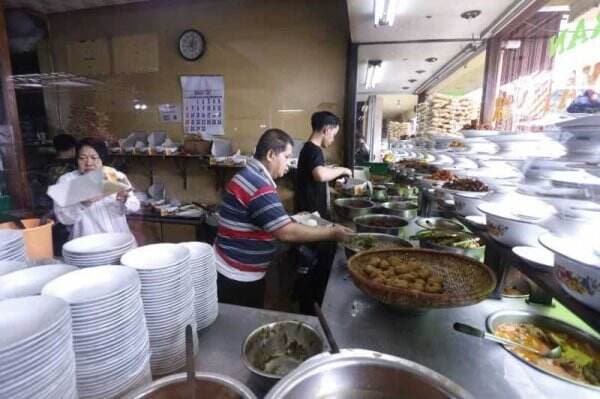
(574, 249)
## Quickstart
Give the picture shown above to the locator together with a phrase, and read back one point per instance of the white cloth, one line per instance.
(103, 216)
(235, 274)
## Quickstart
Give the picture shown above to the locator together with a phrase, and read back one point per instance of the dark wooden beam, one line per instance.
(11, 143)
(521, 18)
(493, 57)
(350, 104)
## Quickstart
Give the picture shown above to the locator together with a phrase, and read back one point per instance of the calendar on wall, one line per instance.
(203, 104)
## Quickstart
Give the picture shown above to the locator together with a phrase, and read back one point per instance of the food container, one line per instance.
(360, 373)
(353, 247)
(208, 385)
(379, 223)
(38, 238)
(404, 209)
(467, 203)
(379, 193)
(349, 208)
(557, 326)
(275, 349)
(576, 268)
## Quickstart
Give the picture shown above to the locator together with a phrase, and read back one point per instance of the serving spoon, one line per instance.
(470, 330)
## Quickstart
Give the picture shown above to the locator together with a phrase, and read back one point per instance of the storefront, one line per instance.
(181, 182)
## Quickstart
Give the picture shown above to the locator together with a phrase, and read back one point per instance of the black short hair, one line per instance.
(64, 142)
(96, 144)
(272, 139)
(322, 119)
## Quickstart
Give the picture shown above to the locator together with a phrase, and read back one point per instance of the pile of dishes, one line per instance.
(12, 245)
(9, 266)
(204, 277)
(36, 349)
(110, 337)
(97, 249)
(582, 138)
(30, 281)
(168, 297)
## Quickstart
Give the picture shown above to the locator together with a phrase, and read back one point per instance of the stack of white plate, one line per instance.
(12, 245)
(9, 266)
(97, 249)
(30, 281)
(168, 296)
(110, 337)
(36, 349)
(204, 276)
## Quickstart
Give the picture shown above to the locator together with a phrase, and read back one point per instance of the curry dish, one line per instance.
(408, 273)
(579, 360)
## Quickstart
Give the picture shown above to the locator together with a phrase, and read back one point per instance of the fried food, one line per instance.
(406, 273)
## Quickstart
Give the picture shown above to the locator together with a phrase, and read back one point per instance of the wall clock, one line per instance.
(191, 45)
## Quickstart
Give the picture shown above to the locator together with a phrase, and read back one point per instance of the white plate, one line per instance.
(535, 255)
(91, 284)
(98, 243)
(155, 256)
(25, 318)
(30, 281)
(10, 236)
(9, 266)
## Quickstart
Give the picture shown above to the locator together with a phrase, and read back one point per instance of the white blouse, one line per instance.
(107, 215)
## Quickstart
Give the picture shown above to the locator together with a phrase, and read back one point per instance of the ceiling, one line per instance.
(53, 6)
(465, 79)
(417, 20)
(395, 104)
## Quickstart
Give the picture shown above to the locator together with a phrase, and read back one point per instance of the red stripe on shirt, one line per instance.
(263, 190)
(238, 265)
(255, 235)
(239, 192)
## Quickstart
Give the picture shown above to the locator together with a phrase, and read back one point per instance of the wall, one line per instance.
(273, 54)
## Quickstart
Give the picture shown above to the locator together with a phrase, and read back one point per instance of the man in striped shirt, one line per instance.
(252, 217)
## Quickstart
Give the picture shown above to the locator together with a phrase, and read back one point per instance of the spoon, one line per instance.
(470, 330)
(325, 326)
(189, 352)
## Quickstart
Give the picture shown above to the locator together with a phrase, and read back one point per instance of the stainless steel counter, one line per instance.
(483, 368)
(220, 345)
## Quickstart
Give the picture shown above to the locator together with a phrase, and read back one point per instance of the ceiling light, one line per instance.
(405, 87)
(420, 71)
(557, 8)
(471, 14)
(412, 80)
(430, 59)
(290, 110)
(373, 76)
(384, 12)
(511, 44)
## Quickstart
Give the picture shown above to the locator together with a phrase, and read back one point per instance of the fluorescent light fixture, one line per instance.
(374, 74)
(512, 44)
(558, 8)
(384, 12)
(290, 110)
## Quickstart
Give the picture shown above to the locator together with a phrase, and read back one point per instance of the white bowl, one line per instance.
(9, 266)
(155, 256)
(98, 243)
(30, 281)
(510, 228)
(466, 204)
(576, 268)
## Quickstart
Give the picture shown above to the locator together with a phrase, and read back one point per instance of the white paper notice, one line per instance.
(203, 104)
(169, 113)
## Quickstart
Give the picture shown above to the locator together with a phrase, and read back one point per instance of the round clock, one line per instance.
(191, 45)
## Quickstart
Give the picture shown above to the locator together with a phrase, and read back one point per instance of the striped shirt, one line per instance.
(250, 212)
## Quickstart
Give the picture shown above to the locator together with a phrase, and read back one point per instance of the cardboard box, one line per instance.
(196, 146)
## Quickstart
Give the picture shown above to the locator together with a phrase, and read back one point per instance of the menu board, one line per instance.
(203, 104)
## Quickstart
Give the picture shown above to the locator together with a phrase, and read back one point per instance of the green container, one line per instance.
(378, 168)
(4, 203)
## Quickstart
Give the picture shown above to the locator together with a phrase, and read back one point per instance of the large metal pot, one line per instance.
(364, 374)
(208, 385)
(404, 209)
(379, 223)
(349, 208)
(275, 349)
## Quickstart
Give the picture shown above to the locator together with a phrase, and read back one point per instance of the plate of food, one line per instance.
(579, 361)
(419, 279)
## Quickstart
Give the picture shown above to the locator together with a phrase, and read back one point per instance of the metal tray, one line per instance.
(522, 316)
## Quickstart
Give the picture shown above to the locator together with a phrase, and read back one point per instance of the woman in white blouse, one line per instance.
(105, 214)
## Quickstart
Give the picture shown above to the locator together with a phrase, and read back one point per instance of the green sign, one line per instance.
(568, 40)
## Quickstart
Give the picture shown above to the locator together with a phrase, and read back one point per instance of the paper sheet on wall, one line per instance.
(203, 104)
(169, 113)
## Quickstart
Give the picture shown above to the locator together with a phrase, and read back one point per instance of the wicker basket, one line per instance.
(466, 281)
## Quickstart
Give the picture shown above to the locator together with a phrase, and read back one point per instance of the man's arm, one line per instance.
(327, 174)
(296, 232)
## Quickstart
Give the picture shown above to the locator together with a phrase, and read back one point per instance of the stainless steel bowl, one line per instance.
(208, 385)
(373, 224)
(364, 374)
(275, 349)
(404, 209)
(344, 209)
(439, 223)
(383, 239)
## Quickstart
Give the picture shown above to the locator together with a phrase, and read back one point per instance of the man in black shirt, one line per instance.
(312, 174)
(311, 195)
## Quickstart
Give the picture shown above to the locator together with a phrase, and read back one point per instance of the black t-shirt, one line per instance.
(310, 194)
